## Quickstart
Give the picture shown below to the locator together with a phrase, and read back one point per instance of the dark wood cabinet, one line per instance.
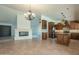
(75, 36)
(44, 24)
(44, 29)
(74, 26)
(44, 35)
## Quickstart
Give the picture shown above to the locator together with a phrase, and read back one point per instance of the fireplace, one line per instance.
(23, 33)
(23, 29)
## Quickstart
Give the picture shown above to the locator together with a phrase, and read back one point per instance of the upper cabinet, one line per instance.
(44, 24)
(74, 25)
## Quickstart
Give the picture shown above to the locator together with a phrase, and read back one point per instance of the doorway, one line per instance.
(51, 34)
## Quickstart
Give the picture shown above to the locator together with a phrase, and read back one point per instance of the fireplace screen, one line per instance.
(23, 33)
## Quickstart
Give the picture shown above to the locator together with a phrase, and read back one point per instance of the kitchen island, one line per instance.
(63, 38)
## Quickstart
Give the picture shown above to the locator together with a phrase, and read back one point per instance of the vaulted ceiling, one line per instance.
(50, 10)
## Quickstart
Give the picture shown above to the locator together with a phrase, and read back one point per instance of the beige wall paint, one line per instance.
(76, 11)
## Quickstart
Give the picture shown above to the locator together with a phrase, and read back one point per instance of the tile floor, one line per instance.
(38, 47)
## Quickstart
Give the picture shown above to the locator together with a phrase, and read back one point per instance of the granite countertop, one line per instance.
(61, 32)
(71, 31)
(74, 31)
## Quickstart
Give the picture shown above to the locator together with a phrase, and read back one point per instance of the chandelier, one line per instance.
(29, 15)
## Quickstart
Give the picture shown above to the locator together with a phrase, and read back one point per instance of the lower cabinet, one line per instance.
(44, 35)
(75, 36)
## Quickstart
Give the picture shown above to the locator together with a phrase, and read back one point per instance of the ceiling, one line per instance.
(46, 9)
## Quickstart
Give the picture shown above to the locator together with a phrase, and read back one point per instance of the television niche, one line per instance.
(5, 31)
